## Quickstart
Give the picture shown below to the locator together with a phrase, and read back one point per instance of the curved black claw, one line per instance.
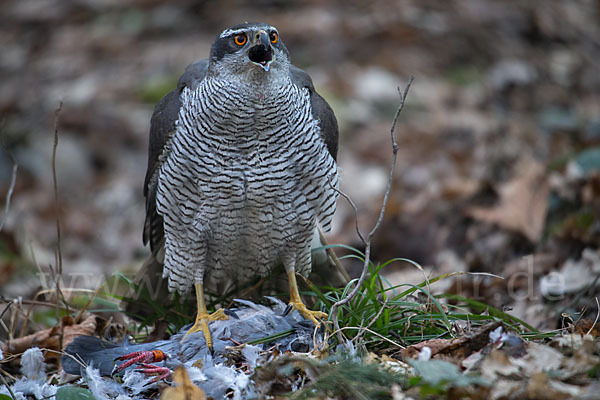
(287, 310)
(231, 313)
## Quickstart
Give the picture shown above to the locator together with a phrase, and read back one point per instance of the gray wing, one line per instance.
(320, 110)
(328, 271)
(162, 126)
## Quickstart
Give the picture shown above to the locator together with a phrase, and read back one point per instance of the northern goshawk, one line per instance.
(241, 169)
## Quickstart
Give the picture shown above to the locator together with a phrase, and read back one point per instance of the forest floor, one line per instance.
(496, 191)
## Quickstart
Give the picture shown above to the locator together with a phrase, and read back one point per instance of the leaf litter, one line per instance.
(499, 173)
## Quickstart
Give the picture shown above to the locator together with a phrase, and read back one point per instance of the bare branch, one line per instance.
(371, 322)
(13, 180)
(352, 294)
(59, 293)
(597, 316)
(354, 208)
(55, 182)
(338, 332)
(395, 156)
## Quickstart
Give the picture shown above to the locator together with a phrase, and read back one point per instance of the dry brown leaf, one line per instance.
(539, 357)
(49, 338)
(497, 365)
(523, 201)
(581, 362)
(543, 388)
(458, 348)
(506, 389)
(183, 389)
(587, 327)
(573, 277)
(437, 346)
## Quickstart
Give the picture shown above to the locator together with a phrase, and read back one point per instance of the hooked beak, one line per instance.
(261, 53)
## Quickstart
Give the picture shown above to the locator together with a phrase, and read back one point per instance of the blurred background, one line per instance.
(498, 168)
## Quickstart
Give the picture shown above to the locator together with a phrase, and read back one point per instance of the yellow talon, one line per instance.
(296, 302)
(315, 316)
(203, 317)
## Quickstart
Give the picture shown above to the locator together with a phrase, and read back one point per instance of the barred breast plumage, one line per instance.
(243, 181)
(241, 169)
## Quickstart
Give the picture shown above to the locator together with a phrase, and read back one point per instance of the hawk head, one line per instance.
(250, 49)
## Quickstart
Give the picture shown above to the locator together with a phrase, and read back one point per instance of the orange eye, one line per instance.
(274, 37)
(240, 40)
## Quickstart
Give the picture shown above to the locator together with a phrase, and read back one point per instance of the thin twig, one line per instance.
(13, 180)
(395, 156)
(33, 302)
(597, 316)
(355, 209)
(55, 182)
(59, 260)
(2, 324)
(371, 332)
(86, 306)
(367, 260)
(26, 316)
(371, 322)
(26, 320)
(8, 358)
(5, 309)
(63, 353)
(13, 316)
(12, 395)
